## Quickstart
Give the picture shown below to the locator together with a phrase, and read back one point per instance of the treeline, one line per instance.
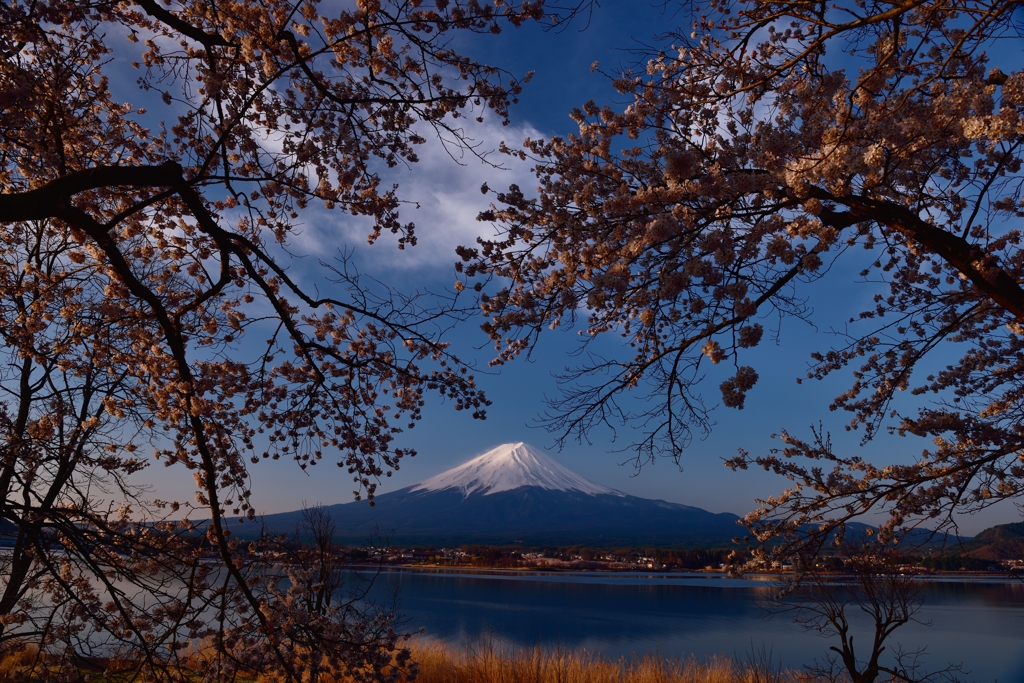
(692, 559)
(516, 556)
(953, 563)
(688, 559)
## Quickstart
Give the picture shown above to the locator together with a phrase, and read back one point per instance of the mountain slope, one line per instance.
(1000, 542)
(516, 494)
(509, 467)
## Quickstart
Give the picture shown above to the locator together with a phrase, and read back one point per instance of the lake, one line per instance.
(978, 622)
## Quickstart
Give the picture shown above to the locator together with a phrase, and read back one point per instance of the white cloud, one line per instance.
(443, 198)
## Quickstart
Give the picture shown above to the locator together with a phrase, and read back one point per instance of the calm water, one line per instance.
(979, 622)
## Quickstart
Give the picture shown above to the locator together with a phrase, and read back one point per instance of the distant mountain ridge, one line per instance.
(1001, 532)
(1000, 542)
(518, 494)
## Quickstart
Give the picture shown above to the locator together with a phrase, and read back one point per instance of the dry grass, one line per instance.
(13, 663)
(489, 663)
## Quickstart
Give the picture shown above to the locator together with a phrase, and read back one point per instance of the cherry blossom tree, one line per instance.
(765, 145)
(333, 627)
(155, 159)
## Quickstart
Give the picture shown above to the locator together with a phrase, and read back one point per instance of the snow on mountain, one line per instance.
(516, 494)
(512, 466)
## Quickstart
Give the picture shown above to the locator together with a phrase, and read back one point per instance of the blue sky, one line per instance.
(449, 198)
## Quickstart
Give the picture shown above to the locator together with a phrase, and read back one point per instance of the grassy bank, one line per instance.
(491, 664)
(486, 663)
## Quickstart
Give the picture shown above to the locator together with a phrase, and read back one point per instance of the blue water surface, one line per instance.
(976, 622)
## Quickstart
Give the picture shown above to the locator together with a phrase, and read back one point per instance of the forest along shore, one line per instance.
(503, 558)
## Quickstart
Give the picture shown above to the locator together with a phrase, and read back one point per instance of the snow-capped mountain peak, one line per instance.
(511, 466)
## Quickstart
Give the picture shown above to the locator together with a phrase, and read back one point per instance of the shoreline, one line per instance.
(638, 573)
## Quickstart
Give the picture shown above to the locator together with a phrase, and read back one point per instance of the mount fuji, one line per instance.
(517, 494)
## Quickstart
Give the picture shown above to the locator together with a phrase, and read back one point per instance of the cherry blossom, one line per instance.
(151, 306)
(757, 149)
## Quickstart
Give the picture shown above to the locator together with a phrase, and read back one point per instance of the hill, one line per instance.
(1001, 542)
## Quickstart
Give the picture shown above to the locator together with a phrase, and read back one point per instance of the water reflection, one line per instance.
(978, 622)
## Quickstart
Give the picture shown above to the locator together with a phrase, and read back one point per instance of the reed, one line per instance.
(486, 662)
(14, 662)
(489, 662)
